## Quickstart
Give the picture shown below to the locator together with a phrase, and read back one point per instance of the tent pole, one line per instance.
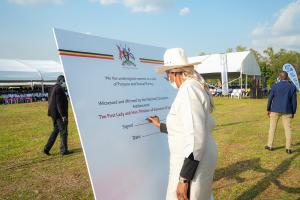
(241, 81)
(246, 86)
(43, 90)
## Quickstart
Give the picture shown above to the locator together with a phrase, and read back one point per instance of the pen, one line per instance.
(150, 116)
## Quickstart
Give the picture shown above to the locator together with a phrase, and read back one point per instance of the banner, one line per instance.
(113, 89)
(292, 74)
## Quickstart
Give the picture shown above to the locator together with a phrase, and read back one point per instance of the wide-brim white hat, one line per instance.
(174, 58)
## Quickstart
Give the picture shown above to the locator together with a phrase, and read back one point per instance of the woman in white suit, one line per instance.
(193, 152)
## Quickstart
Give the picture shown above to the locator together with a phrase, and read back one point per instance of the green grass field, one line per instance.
(245, 170)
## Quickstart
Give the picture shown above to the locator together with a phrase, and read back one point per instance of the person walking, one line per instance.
(282, 103)
(193, 151)
(58, 111)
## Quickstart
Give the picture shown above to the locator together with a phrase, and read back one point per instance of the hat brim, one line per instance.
(164, 68)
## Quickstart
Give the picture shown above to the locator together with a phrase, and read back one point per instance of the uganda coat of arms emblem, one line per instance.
(126, 56)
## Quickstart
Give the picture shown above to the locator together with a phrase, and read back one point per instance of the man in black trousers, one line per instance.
(58, 111)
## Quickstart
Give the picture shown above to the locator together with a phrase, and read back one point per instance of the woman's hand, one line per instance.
(154, 120)
(181, 191)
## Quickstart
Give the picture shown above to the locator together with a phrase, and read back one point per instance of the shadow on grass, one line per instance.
(40, 159)
(233, 171)
(271, 176)
(233, 123)
(281, 147)
(77, 150)
(32, 161)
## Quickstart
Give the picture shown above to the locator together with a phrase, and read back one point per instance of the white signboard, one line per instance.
(113, 89)
(292, 74)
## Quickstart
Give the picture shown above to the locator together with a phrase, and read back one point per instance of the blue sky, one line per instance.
(209, 26)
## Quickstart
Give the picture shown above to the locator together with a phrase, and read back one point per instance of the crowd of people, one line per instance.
(21, 96)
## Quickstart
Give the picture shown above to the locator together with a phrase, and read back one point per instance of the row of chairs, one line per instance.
(22, 98)
(15, 100)
(238, 93)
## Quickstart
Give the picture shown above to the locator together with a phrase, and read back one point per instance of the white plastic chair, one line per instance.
(236, 93)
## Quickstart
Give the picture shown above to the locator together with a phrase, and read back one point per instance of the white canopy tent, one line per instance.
(233, 64)
(15, 73)
(48, 69)
(240, 62)
(21, 71)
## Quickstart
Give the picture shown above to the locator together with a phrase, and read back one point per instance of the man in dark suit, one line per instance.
(58, 111)
(282, 103)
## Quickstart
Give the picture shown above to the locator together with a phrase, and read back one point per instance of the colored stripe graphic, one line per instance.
(64, 52)
(150, 61)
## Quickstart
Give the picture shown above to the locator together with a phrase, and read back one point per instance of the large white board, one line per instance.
(113, 89)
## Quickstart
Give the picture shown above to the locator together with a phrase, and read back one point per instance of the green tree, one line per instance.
(266, 71)
(269, 52)
(202, 54)
(240, 48)
(275, 61)
(229, 50)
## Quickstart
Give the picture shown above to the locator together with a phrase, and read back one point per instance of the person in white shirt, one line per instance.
(193, 152)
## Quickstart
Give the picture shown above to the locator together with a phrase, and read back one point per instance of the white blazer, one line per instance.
(189, 125)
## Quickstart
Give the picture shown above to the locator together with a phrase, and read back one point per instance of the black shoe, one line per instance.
(46, 152)
(66, 152)
(289, 151)
(269, 148)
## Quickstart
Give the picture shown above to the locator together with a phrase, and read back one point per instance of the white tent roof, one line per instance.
(29, 70)
(12, 70)
(49, 69)
(242, 62)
